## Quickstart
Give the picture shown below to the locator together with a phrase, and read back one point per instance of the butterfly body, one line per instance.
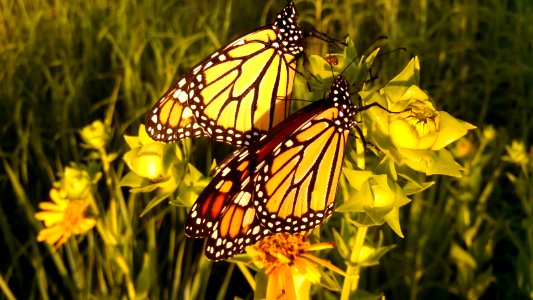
(236, 94)
(286, 182)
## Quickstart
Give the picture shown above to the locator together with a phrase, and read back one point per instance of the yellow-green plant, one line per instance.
(407, 134)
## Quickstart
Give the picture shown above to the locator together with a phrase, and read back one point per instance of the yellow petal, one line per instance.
(84, 226)
(451, 129)
(58, 196)
(52, 206)
(403, 134)
(307, 269)
(49, 218)
(50, 235)
(281, 284)
(61, 241)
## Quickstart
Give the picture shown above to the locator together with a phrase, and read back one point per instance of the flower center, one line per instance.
(74, 212)
(423, 117)
(281, 249)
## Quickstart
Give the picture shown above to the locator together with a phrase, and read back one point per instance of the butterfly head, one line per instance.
(340, 95)
(289, 33)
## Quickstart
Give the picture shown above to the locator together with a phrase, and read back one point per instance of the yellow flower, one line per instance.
(62, 218)
(516, 153)
(96, 135)
(379, 197)
(146, 157)
(75, 182)
(463, 148)
(289, 267)
(489, 133)
(417, 133)
(420, 126)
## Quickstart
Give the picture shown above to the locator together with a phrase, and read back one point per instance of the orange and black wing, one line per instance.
(218, 194)
(286, 182)
(236, 94)
(237, 228)
(224, 211)
(297, 173)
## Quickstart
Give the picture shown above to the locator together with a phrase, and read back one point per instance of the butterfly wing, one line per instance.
(224, 211)
(218, 194)
(237, 228)
(236, 94)
(286, 182)
(297, 174)
(171, 118)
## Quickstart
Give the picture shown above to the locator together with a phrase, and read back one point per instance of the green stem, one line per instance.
(107, 170)
(351, 282)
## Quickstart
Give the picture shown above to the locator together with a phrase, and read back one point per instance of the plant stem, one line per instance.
(351, 282)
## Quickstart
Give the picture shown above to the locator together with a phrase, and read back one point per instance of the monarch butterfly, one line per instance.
(236, 94)
(286, 182)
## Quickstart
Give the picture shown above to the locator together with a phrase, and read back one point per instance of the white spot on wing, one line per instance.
(187, 113)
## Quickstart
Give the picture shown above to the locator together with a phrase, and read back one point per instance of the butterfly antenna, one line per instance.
(392, 51)
(375, 104)
(324, 37)
(376, 41)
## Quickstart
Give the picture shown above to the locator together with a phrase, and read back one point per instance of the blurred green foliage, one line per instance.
(68, 63)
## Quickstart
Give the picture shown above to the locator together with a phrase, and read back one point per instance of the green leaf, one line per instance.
(132, 180)
(410, 75)
(340, 244)
(261, 282)
(132, 141)
(171, 156)
(393, 220)
(451, 129)
(350, 51)
(414, 181)
(432, 162)
(445, 164)
(130, 156)
(363, 220)
(375, 255)
(356, 178)
(364, 295)
(145, 188)
(154, 202)
(387, 166)
(462, 257)
(329, 281)
(412, 187)
(143, 282)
